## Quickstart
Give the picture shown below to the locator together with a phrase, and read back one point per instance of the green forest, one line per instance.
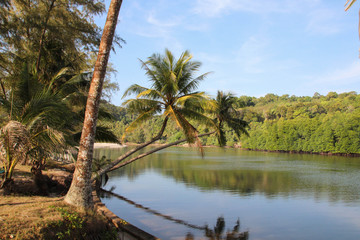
(318, 124)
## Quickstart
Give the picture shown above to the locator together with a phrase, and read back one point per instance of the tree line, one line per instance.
(318, 124)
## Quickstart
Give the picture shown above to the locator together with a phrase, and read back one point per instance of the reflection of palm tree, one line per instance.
(216, 233)
(149, 210)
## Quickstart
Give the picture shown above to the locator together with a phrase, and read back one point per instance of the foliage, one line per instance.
(14, 144)
(171, 94)
(321, 123)
(74, 225)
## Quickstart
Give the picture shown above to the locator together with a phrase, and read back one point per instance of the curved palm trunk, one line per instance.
(115, 165)
(80, 190)
(110, 166)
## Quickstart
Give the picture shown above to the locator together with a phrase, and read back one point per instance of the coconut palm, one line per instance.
(50, 111)
(172, 95)
(222, 108)
(34, 119)
(80, 190)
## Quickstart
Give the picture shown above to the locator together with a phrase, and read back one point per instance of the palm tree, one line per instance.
(222, 108)
(80, 190)
(35, 121)
(171, 95)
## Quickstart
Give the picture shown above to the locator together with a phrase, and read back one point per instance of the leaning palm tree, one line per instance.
(172, 95)
(220, 112)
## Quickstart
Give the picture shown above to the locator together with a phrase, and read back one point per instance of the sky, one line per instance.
(250, 47)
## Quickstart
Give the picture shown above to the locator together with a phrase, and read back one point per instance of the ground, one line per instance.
(26, 215)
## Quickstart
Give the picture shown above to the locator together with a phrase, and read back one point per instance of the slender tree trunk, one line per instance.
(80, 190)
(118, 162)
(43, 35)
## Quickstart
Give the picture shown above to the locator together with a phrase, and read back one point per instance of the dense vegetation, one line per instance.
(321, 124)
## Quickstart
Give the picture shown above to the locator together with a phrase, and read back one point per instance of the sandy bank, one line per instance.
(108, 145)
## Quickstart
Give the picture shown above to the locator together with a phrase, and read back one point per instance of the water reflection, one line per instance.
(105, 193)
(246, 173)
(218, 232)
(277, 196)
(215, 233)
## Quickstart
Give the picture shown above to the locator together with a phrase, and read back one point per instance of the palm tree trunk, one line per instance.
(115, 165)
(80, 190)
(129, 153)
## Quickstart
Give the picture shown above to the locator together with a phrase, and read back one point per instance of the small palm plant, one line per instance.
(14, 144)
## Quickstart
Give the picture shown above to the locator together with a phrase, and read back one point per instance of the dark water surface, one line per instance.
(274, 195)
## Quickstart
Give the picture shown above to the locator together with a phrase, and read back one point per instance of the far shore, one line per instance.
(115, 145)
(108, 145)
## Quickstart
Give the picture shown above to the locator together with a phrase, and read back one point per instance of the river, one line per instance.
(175, 193)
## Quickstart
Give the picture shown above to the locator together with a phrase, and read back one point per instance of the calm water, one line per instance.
(275, 196)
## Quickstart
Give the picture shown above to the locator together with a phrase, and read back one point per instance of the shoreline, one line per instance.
(115, 145)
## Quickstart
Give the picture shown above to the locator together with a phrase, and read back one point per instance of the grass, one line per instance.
(24, 216)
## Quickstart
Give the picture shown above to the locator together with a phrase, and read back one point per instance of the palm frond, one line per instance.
(348, 4)
(134, 89)
(188, 129)
(193, 84)
(139, 120)
(104, 134)
(142, 105)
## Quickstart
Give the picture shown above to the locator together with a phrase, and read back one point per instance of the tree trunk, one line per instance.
(80, 190)
(43, 35)
(118, 162)
(129, 153)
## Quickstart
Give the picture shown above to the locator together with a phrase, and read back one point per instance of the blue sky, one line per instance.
(252, 47)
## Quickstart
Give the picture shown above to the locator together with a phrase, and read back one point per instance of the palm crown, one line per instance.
(172, 92)
(222, 108)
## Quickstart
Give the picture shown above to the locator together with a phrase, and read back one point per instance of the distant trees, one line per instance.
(307, 124)
(328, 124)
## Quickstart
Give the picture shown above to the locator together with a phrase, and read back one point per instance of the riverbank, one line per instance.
(114, 145)
(24, 214)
